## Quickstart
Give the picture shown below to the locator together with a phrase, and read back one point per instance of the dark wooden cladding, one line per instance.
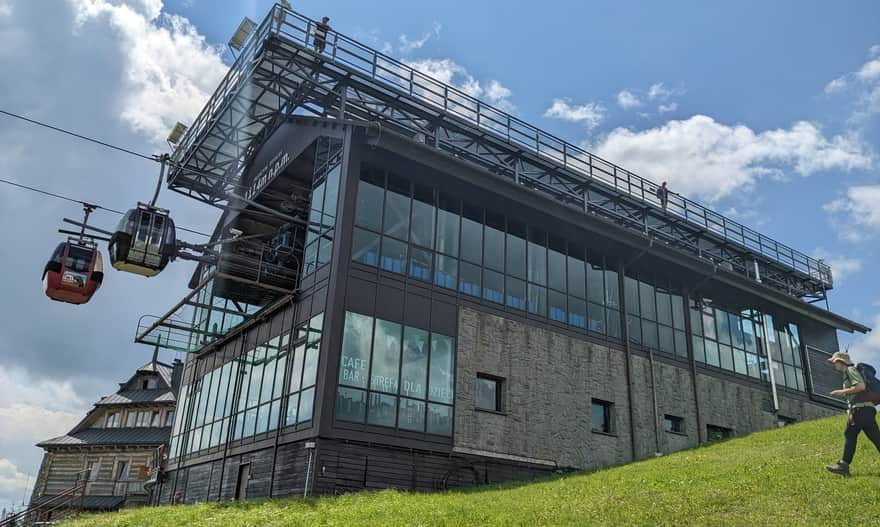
(343, 466)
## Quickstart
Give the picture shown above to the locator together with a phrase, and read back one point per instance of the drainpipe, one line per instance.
(628, 356)
(310, 446)
(767, 348)
(654, 402)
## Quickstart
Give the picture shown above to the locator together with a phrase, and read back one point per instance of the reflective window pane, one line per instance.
(556, 273)
(420, 264)
(647, 301)
(386, 357)
(440, 419)
(415, 362)
(382, 410)
(396, 220)
(493, 253)
(516, 256)
(355, 361)
(577, 312)
(442, 368)
(537, 263)
(470, 283)
(446, 274)
(423, 219)
(411, 415)
(537, 300)
(393, 255)
(365, 247)
(595, 283)
(577, 279)
(556, 306)
(516, 293)
(368, 212)
(448, 225)
(472, 240)
(306, 405)
(493, 286)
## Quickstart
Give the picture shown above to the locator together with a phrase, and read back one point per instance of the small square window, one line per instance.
(603, 416)
(673, 424)
(489, 392)
(718, 433)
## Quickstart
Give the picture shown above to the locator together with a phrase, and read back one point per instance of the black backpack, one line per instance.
(872, 384)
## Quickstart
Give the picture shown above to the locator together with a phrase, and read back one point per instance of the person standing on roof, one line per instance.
(321, 34)
(663, 195)
(862, 415)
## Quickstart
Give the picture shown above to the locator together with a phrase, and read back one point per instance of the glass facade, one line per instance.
(736, 342)
(395, 376)
(426, 234)
(655, 314)
(214, 316)
(246, 396)
(322, 214)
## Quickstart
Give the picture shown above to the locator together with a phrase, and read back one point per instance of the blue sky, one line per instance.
(766, 111)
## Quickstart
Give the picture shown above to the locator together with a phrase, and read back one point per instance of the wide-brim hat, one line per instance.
(841, 356)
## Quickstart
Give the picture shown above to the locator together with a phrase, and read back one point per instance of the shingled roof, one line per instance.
(138, 396)
(112, 436)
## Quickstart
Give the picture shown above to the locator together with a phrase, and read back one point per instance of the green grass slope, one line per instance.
(768, 478)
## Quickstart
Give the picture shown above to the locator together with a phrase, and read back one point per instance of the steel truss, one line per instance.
(278, 75)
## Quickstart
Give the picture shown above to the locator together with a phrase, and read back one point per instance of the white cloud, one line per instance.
(660, 92)
(5, 7)
(626, 100)
(836, 85)
(841, 266)
(13, 481)
(666, 108)
(869, 71)
(858, 212)
(31, 410)
(863, 84)
(589, 115)
(867, 347)
(449, 72)
(706, 159)
(170, 70)
(407, 44)
(17, 386)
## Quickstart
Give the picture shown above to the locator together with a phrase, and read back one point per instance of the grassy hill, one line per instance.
(769, 478)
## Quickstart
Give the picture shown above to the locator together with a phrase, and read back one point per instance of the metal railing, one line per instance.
(390, 73)
(66, 499)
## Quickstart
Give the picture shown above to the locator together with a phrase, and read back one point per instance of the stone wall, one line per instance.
(550, 380)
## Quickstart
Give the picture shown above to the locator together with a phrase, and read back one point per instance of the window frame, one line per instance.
(500, 386)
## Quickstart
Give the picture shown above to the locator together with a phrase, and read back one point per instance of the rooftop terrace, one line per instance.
(279, 74)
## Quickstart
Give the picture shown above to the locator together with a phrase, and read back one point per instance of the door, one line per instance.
(244, 474)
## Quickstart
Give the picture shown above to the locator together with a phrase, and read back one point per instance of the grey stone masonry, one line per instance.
(550, 380)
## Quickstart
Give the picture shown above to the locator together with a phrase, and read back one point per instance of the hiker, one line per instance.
(321, 34)
(663, 195)
(861, 414)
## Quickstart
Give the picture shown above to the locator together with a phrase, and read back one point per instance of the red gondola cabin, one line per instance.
(74, 272)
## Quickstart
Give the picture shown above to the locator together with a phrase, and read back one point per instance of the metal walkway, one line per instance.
(278, 74)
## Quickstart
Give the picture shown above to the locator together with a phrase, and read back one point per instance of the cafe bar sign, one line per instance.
(268, 174)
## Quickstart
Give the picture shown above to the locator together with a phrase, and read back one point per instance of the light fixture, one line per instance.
(242, 33)
(176, 133)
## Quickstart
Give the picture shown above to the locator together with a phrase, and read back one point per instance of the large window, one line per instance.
(325, 191)
(395, 376)
(423, 233)
(246, 396)
(737, 342)
(655, 314)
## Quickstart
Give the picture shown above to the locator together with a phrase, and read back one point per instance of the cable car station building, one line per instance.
(418, 290)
